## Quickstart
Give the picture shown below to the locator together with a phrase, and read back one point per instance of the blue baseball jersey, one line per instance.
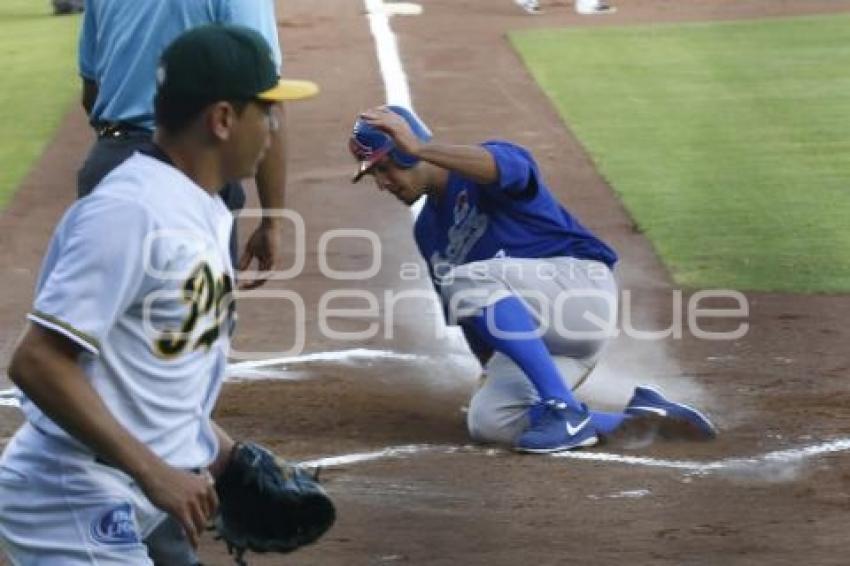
(121, 42)
(517, 216)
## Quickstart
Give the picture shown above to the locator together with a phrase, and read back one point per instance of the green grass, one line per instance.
(38, 51)
(728, 143)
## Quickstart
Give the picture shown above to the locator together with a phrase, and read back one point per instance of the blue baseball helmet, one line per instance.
(369, 145)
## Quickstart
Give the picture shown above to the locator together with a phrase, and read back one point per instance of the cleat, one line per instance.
(649, 402)
(589, 7)
(557, 428)
(530, 6)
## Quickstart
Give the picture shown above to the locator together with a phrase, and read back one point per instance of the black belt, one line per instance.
(118, 130)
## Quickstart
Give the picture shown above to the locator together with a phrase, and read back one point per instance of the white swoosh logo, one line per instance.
(655, 410)
(573, 430)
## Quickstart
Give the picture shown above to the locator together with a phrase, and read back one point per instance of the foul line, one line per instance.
(787, 456)
(389, 60)
(397, 92)
(396, 88)
(278, 368)
(339, 356)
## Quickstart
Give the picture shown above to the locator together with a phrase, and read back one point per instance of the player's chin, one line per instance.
(254, 166)
(406, 196)
(250, 171)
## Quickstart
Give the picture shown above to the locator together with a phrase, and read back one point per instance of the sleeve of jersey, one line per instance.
(517, 169)
(87, 47)
(97, 271)
(258, 15)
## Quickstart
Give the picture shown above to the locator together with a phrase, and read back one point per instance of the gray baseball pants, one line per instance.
(574, 301)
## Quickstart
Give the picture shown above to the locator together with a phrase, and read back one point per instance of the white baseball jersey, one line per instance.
(138, 274)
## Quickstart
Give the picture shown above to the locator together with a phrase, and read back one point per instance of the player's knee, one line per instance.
(495, 427)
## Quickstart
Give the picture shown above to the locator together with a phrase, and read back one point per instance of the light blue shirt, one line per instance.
(121, 42)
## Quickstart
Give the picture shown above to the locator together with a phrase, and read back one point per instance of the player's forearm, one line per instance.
(225, 449)
(45, 369)
(88, 95)
(471, 161)
(271, 174)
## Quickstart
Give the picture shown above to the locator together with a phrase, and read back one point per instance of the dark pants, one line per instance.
(109, 152)
(168, 545)
(67, 6)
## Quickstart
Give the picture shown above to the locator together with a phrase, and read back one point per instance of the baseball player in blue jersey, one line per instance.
(524, 279)
(125, 353)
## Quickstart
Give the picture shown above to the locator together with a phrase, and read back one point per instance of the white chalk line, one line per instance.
(400, 9)
(396, 88)
(397, 91)
(336, 461)
(627, 494)
(337, 356)
(9, 398)
(389, 61)
(786, 456)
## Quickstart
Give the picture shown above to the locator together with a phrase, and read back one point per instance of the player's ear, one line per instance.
(221, 117)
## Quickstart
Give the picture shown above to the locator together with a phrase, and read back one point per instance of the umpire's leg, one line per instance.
(106, 154)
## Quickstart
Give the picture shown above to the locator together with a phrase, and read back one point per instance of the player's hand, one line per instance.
(188, 497)
(394, 126)
(264, 245)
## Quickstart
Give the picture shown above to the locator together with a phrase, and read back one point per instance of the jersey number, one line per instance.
(205, 294)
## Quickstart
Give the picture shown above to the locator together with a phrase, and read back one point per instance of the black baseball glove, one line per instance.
(266, 505)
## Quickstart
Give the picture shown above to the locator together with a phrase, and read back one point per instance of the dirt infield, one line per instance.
(781, 387)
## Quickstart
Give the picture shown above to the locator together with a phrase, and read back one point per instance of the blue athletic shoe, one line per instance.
(557, 428)
(648, 401)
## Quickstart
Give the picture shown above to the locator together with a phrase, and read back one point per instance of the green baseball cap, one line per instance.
(225, 62)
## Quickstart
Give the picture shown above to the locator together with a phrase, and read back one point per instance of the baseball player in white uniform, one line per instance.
(124, 356)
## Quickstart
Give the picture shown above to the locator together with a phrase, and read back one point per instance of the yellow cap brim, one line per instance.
(290, 90)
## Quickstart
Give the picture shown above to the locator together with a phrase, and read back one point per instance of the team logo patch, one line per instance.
(115, 526)
(365, 152)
